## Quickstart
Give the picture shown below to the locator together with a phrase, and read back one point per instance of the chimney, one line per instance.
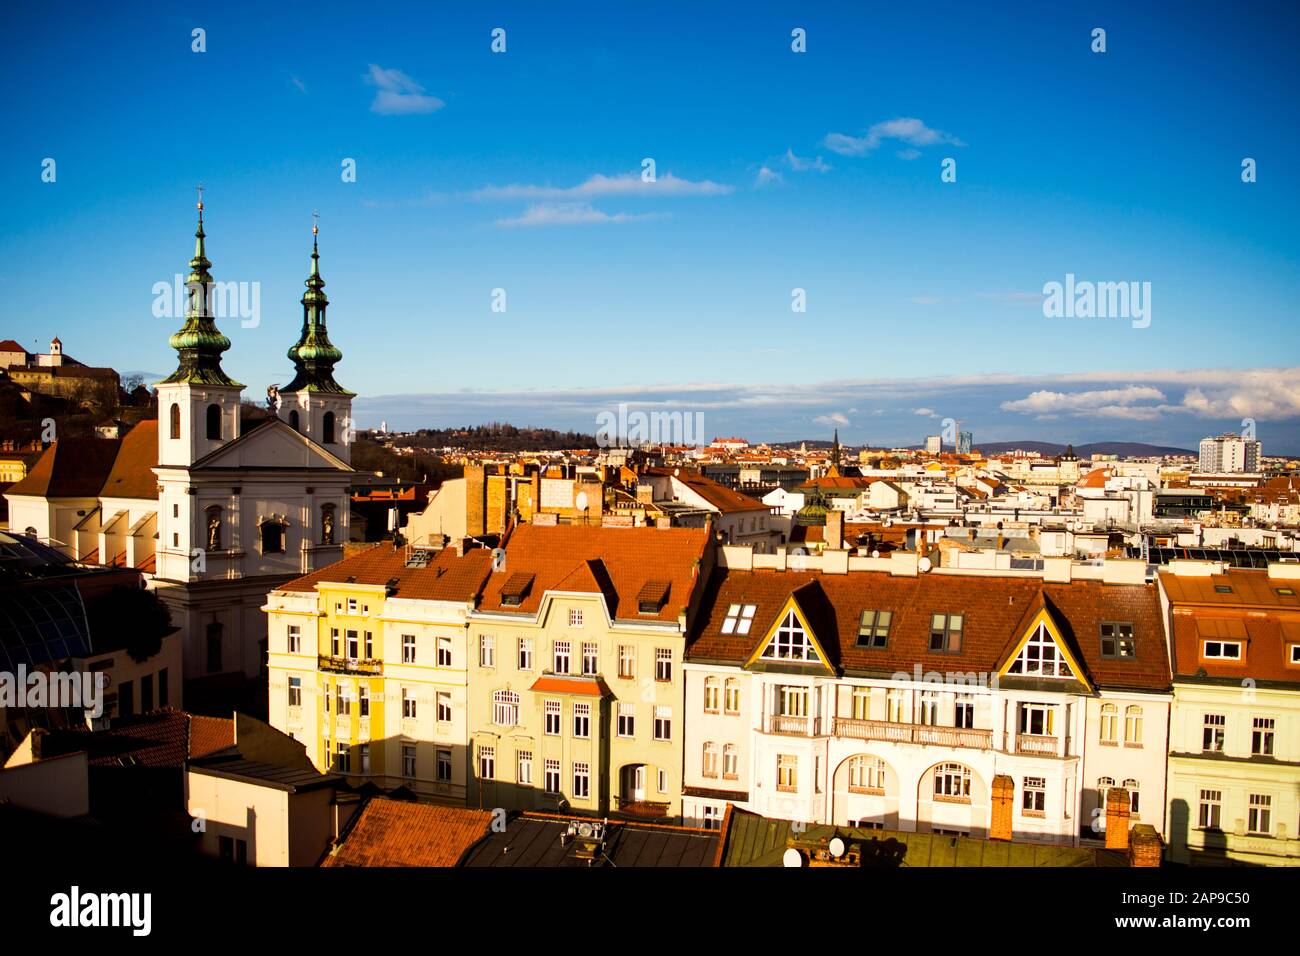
(835, 530)
(1117, 813)
(1004, 799)
(1147, 846)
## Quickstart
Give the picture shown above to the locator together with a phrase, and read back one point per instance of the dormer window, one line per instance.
(1040, 657)
(945, 633)
(515, 588)
(740, 618)
(1221, 650)
(873, 629)
(790, 643)
(1294, 650)
(651, 598)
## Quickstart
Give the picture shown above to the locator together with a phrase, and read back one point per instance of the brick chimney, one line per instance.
(1147, 847)
(1117, 813)
(1004, 800)
(835, 530)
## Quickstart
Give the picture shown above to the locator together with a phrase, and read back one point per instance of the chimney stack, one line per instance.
(1004, 799)
(1117, 814)
(1147, 846)
(834, 530)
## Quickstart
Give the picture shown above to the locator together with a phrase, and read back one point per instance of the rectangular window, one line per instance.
(344, 701)
(1034, 802)
(487, 762)
(1259, 817)
(873, 628)
(663, 723)
(731, 696)
(524, 767)
(1222, 650)
(353, 645)
(552, 718)
(1211, 809)
(930, 707)
(1261, 736)
(442, 766)
(896, 706)
(582, 720)
(581, 780)
(560, 657)
(712, 696)
(295, 691)
(1117, 639)
(626, 661)
(663, 664)
(552, 780)
(408, 704)
(335, 649)
(342, 758)
(363, 701)
(945, 633)
(408, 761)
(1214, 728)
(487, 651)
(575, 617)
(964, 713)
(444, 706)
(739, 619)
(590, 659)
(295, 639)
(444, 652)
(626, 720)
(730, 762)
(787, 772)
(365, 758)
(525, 653)
(1036, 720)
(352, 605)
(505, 708)
(408, 648)
(711, 817)
(663, 781)
(370, 646)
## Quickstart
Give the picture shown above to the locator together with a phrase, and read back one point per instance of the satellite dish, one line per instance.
(875, 554)
(837, 848)
(923, 565)
(792, 858)
(584, 830)
(581, 501)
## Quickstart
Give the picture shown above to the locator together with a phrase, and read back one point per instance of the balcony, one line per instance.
(793, 726)
(649, 809)
(349, 665)
(913, 733)
(1035, 744)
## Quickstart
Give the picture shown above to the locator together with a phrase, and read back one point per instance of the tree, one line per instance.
(130, 619)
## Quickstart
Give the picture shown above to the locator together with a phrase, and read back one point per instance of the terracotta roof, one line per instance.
(161, 739)
(210, 734)
(446, 577)
(132, 474)
(70, 468)
(718, 495)
(9, 345)
(618, 562)
(394, 833)
(570, 684)
(994, 608)
(1095, 479)
(1253, 612)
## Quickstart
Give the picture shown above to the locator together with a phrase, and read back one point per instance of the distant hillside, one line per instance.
(1125, 449)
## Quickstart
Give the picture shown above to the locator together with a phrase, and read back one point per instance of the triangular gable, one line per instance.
(790, 641)
(272, 444)
(1042, 652)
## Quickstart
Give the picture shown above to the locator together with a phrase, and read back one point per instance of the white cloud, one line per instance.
(1045, 402)
(570, 214)
(834, 419)
(925, 412)
(766, 177)
(801, 165)
(398, 94)
(907, 130)
(624, 184)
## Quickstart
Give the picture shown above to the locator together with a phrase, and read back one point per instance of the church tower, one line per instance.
(313, 404)
(198, 404)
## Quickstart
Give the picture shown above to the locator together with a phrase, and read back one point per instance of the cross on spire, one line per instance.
(315, 219)
(199, 187)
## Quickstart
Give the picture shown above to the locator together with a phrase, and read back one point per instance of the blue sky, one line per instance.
(775, 170)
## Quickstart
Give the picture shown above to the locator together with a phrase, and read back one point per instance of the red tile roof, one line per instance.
(618, 562)
(161, 739)
(394, 833)
(719, 496)
(70, 468)
(569, 684)
(132, 474)
(447, 577)
(995, 610)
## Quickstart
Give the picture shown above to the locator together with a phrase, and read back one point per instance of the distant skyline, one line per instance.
(775, 171)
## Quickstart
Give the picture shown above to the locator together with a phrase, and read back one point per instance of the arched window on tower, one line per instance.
(327, 428)
(214, 422)
(176, 420)
(293, 420)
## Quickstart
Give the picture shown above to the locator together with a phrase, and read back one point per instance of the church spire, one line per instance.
(199, 342)
(314, 355)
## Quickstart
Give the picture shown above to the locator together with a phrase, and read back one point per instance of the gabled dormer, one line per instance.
(791, 644)
(1042, 652)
